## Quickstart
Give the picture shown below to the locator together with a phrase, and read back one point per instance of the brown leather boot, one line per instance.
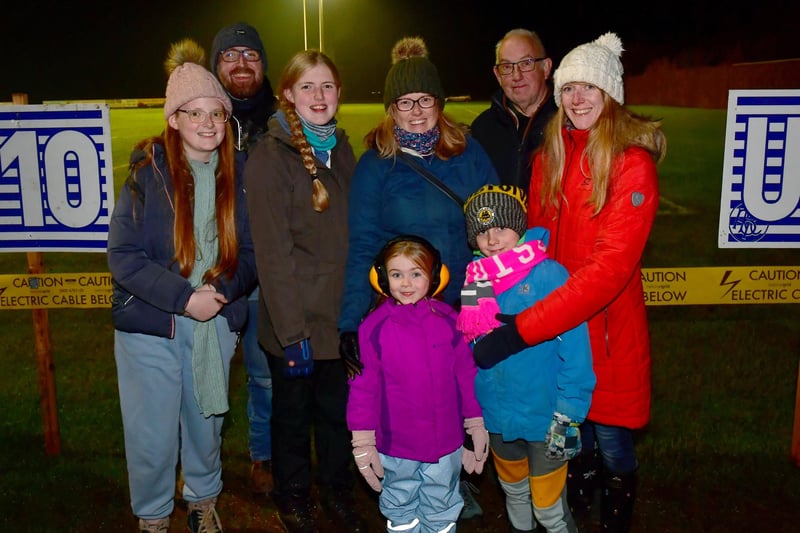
(261, 477)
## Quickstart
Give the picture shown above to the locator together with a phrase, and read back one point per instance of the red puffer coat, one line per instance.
(602, 254)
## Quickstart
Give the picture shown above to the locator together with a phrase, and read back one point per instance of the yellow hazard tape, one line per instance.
(721, 285)
(34, 291)
(662, 286)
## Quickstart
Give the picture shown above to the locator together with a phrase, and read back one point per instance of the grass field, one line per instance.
(716, 456)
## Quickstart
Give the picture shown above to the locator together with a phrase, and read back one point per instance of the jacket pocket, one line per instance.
(132, 315)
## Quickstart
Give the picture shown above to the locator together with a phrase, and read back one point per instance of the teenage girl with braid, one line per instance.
(297, 179)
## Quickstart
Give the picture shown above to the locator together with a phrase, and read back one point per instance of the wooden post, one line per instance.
(796, 431)
(44, 349)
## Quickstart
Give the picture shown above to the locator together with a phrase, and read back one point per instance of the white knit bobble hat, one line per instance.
(597, 63)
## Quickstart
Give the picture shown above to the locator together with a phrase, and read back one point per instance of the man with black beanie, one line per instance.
(239, 61)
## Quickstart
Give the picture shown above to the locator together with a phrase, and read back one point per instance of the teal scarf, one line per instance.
(208, 372)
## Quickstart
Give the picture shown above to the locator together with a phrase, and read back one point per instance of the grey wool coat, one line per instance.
(300, 253)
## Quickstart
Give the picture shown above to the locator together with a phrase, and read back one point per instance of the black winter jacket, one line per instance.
(510, 138)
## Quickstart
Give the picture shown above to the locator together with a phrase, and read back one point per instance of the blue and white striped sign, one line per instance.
(760, 205)
(56, 178)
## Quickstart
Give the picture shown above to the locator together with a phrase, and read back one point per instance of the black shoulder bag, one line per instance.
(411, 161)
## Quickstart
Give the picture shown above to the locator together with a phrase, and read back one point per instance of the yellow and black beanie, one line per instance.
(411, 72)
(495, 206)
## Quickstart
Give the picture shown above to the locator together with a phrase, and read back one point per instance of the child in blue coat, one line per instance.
(532, 401)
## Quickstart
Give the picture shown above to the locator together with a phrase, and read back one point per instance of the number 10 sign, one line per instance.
(56, 178)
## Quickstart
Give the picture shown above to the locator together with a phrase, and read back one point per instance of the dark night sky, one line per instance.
(99, 49)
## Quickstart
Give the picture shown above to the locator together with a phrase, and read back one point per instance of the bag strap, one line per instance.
(428, 175)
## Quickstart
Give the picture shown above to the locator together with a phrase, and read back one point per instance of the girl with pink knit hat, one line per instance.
(182, 265)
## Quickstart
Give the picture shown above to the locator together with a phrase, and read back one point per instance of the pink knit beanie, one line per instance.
(189, 80)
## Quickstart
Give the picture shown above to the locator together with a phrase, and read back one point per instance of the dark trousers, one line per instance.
(300, 406)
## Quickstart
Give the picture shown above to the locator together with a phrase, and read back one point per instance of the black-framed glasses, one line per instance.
(199, 116)
(232, 54)
(407, 104)
(524, 65)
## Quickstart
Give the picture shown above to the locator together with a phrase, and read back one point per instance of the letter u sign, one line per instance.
(760, 204)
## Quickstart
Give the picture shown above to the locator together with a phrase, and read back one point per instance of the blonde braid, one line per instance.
(320, 199)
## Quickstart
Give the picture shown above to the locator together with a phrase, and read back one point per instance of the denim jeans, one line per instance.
(615, 444)
(259, 386)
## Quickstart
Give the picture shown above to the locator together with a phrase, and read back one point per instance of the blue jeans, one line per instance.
(615, 444)
(259, 386)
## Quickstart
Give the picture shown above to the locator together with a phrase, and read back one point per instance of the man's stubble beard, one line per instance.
(243, 91)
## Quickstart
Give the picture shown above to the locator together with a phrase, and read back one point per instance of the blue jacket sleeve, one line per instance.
(365, 240)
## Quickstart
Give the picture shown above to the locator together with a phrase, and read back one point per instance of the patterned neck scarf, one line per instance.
(320, 137)
(423, 143)
(489, 276)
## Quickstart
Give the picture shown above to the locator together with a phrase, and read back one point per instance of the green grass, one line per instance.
(716, 456)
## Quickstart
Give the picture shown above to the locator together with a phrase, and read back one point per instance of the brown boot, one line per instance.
(261, 477)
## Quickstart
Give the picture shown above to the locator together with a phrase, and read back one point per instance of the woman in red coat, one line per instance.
(594, 187)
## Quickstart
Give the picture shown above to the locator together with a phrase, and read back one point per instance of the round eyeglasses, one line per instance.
(199, 116)
(231, 55)
(407, 104)
(524, 65)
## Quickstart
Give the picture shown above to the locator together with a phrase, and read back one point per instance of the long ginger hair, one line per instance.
(183, 201)
(180, 172)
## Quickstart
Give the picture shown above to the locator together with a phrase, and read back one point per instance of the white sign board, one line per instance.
(56, 178)
(760, 205)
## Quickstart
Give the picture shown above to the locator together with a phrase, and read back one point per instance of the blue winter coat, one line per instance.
(389, 198)
(417, 386)
(148, 289)
(519, 395)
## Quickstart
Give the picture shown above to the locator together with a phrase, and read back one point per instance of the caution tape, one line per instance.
(36, 291)
(721, 285)
(662, 286)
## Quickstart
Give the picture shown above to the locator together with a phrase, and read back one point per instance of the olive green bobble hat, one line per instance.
(411, 72)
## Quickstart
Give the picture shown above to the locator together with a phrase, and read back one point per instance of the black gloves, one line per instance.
(498, 345)
(350, 354)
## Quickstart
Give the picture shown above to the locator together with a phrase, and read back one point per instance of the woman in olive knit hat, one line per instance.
(389, 197)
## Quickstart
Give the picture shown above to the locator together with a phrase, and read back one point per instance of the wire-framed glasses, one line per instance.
(524, 65)
(232, 54)
(198, 115)
(407, 104)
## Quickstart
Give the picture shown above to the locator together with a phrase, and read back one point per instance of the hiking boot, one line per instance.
(296, 513)
(341, 508)
(203, 517)
(261, 477)
(156, 525)
(471, 508)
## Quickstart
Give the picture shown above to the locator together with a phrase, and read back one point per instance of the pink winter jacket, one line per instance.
(602, 254)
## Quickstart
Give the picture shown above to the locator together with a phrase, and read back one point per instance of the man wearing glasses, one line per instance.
(511, 129)
(240, 63)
